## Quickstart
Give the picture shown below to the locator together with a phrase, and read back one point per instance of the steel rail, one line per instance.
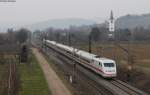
(127, 88)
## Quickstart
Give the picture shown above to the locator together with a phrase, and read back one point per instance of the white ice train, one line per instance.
(103, 66)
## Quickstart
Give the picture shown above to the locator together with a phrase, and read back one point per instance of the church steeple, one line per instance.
(111, 15)
(111, 22)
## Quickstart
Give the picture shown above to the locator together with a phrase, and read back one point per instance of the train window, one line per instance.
(108, 64)
(100, 64)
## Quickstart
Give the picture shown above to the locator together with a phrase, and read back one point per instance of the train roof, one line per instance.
(95, 57)
(85, 53)
(52, 42)
(104, 60)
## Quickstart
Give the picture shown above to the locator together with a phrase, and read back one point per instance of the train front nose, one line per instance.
(110, 72)
(110, 69)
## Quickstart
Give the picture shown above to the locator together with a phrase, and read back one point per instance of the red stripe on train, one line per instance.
(98, 69)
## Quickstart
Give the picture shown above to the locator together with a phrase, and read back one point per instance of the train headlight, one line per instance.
(110, 70)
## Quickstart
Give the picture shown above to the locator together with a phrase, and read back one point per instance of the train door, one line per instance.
(95, 66)
(100, 65)
(91, 62)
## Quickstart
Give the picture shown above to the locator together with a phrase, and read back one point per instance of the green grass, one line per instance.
(32, 79)
(3, 78)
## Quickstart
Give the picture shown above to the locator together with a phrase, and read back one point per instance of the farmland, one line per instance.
(32, 79)
(3, 78)
(28, 79)
(141, 62)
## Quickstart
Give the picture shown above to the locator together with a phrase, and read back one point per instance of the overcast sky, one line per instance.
(31, 11)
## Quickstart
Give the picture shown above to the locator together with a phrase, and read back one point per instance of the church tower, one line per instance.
(111, 22)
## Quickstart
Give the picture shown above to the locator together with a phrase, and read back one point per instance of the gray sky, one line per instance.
(31, 11)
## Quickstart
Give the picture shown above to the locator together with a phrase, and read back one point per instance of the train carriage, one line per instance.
(103, 66)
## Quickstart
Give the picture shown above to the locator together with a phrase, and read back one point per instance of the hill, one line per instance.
(132, 21)
(60, 23)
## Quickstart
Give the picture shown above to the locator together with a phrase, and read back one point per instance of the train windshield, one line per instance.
(108, 64)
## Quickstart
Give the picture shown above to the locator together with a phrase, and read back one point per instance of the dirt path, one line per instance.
(54, 83)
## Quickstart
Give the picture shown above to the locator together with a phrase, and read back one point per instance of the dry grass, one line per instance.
(140, 75)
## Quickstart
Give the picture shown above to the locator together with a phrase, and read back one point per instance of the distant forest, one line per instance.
(97, 33)
(131, 28)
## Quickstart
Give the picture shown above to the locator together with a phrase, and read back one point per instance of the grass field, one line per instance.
(140, 75)
(3, 78)
(32, 79)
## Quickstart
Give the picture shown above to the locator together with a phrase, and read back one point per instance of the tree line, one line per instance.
(14, 37)
(97, 34)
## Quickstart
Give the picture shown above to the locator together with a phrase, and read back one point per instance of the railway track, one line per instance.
(100, 90)
(79, 77)
(127, 88)
(117, 87)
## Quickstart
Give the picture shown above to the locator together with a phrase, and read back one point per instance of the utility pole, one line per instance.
(73, 76)
(74, 66)
(45, 38)
(130, 59)
(90, 43)
(42, 40)
(74, 63)
(69, 39)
